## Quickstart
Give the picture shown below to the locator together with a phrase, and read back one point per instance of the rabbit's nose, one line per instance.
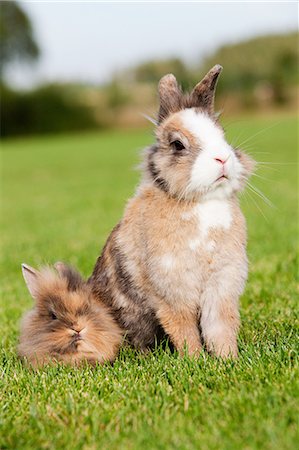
(77, 329)
(220, 160)
(77, 336)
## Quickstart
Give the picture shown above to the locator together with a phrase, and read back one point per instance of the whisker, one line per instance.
(244, 194)
(277, 163)
(236, 138)
(149, 118)
(262, 178)
(260, 194)
(266, 199)
(257, 206)
(256, 153)
(264, 166)
(259, 132)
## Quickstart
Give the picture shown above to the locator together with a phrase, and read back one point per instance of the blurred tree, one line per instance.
(117, 96)
(257, 59)
(51, 108)
(16, 36)
(152, 71)
(265, 66)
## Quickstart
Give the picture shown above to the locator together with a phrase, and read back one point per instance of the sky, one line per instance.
(89, 42)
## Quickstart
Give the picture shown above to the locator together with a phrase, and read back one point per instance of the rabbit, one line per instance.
(66, 324)
(176, 262)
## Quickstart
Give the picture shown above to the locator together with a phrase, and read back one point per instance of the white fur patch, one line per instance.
(194, 243)
(212, 146)
(210, 246)
(167, 261)
(186, 215)
(213, 214)
(210, 214)
(203, 129)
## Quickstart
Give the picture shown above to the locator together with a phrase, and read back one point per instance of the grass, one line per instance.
(61, 196)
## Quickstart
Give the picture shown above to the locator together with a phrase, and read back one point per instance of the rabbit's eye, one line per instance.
(178, 145)
(53, 316)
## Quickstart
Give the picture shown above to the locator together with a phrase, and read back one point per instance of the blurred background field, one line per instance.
(260, 72)
(72, 100)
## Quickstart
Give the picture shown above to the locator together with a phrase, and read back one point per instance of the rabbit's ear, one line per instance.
(73, 277)
(170, 96)
(31, 279)
(203, 94)
(60, 267)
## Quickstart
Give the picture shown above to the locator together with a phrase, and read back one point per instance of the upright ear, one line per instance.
(60, 267)
(74, 279)
(170, 96)
(31, 279)
(204, 92)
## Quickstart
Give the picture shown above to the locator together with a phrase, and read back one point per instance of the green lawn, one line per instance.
(61, 196)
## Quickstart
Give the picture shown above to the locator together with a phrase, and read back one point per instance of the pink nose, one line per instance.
(220, 160)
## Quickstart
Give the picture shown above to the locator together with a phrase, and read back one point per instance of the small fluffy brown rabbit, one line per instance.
(177, 259)
(66, 323)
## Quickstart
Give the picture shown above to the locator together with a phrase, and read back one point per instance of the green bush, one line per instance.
(267, 59)
(152, 71)
(50, 108)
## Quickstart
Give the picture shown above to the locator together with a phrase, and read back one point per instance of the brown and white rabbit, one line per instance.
(177, 259)
(66, 324)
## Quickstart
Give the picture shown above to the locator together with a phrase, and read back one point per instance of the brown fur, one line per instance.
(173, 100)
(160, 271)
(182, 326)
(176, 263)
(66, 324)
(140, 309)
